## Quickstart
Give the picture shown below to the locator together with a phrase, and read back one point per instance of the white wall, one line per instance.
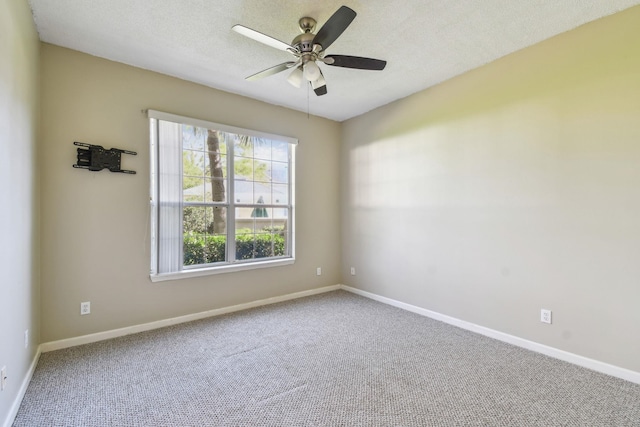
(19, 234)
(511, 188)
(95, 229)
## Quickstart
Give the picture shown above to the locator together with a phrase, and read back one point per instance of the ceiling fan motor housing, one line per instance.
(304, 42)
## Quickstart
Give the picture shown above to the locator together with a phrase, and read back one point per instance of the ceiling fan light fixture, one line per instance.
(320, 81)
(295, 78)
(311, 71)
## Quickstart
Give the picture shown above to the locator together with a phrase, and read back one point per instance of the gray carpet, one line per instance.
(334, 359)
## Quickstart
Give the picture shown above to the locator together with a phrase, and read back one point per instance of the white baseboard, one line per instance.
(13, 411)
(114, 333)
(585, 362)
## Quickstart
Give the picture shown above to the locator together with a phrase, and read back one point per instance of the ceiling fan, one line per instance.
(309, 48)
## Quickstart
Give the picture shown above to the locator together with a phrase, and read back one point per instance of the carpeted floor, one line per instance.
(334, 359)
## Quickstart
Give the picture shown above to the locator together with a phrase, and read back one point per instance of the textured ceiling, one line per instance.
(424, 41)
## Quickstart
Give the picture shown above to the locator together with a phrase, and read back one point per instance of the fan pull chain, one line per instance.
(308, 90)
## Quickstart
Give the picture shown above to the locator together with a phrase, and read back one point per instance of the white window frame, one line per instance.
(234, 265)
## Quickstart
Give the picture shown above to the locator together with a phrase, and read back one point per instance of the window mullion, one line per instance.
(290, 215)
(231, 212)
(181, 213)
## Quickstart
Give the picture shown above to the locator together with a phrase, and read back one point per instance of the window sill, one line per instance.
(199, 272)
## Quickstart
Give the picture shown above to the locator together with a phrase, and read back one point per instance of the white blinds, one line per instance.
(169, 197)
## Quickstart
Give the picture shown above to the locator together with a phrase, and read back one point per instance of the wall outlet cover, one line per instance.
(85, 308)
(3, 378)
(545, 316)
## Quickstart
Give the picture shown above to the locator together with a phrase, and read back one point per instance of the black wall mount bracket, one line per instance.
(95, 158)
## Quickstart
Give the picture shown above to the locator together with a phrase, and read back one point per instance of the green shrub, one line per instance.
(206, 249)
(194, 249)
(197, 220)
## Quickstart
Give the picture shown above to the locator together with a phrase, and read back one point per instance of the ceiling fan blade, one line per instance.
(271, 71)
(262, 38)
(355, 62)
(335, 26)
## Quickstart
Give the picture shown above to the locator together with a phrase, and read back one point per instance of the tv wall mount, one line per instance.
(95, 158)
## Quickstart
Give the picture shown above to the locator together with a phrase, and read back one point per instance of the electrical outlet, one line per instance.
(3, 378)
(318, 271)
(26, 339)
(85, 308)
(353, 271)
(545, 316)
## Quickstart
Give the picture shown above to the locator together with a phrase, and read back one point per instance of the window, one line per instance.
(221, 198)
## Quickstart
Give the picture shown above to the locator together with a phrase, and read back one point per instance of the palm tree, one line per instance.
(214, 139)
(217, 181)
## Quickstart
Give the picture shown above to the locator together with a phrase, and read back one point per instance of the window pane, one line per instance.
(219, 162)
(244, 218)
(243, 146)
(245, 223)
(280, 172)
(222, 142)
(261, 171)
(215, 141)
(193, 138)
(263, 218)
(245, 246)
(204, 239)
(193, 163)
(244, 235)
(243, 191)
(264, 245)
(257, 219)
(204, 249)
(218, 215)
(261, 193)
(280, 215)
(280, 231)
(195, 190)
(262, 149)
(280, 194)
(204, 219)
(258, 234)
(243, 168)
(215, 190)
(280, 151)
(194, 220)
(280, 244)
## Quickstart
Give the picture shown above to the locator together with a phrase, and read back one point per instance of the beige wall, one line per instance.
(19, 234)
(95, 238)
(488, 197)
(511, 188)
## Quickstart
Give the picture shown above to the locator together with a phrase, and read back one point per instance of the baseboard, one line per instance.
(585, 362)
(13, 411)
(114, 333)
